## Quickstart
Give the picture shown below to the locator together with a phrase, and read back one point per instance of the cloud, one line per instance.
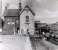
(47, 10)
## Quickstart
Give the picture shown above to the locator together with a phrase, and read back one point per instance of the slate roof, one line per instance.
(28, 8)
(15, 12)
(11, 12)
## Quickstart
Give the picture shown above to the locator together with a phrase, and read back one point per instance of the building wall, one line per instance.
(9, 29)
(23, 25)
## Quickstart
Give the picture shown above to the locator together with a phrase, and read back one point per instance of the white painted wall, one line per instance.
(23, 21)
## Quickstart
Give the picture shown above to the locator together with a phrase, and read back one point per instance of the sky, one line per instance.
(45, 10)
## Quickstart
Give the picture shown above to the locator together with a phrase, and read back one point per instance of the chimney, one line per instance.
(20, 6)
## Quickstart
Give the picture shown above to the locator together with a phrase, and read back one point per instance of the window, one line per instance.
(27, 18)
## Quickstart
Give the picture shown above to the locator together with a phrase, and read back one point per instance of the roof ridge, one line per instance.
(28, 9)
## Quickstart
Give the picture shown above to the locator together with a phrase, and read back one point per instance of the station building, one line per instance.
(19, 21)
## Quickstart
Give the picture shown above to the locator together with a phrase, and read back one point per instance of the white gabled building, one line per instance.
(27, 21)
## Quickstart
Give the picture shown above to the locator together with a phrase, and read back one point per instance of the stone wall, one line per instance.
(24, 26)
